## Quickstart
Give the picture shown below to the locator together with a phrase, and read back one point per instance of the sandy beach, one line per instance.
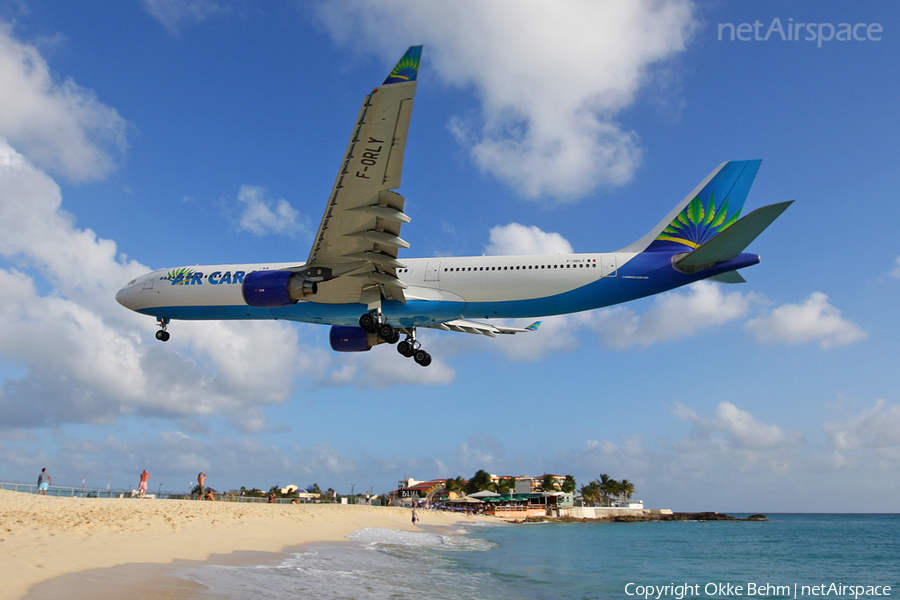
(43, 537)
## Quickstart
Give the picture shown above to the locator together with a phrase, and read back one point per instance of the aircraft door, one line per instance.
(608, 266)
(148, 283)
(433, 270)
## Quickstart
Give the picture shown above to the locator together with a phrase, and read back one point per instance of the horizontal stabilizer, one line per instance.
(728, 277)
(731, 242)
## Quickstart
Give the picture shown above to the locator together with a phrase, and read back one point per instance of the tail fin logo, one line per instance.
(408, 67)
(698, 223)
(716, 208)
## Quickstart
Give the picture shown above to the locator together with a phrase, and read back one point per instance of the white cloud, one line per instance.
(551, 77)
(896, 271)
(481, 451)
(674, 315)
(174, 14)
(740, 428)
(812, 320)
(877, 427)
(382, 366)
(737, 459)
(57, 124)
(557, 334)
(516, 239)
(261, 214)
(87, 359)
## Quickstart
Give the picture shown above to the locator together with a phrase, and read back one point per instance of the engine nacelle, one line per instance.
(270, 289)
(352, 339)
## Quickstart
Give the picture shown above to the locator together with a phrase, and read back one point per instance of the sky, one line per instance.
(149, 134)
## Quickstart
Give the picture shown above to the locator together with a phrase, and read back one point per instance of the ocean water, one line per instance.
(786, 557)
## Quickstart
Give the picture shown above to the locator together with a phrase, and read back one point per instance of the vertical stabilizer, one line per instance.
(707, 211)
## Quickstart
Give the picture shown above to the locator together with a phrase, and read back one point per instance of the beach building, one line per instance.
(525, 499)
(412, 491)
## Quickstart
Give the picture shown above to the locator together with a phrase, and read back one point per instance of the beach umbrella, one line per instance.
(484, 494)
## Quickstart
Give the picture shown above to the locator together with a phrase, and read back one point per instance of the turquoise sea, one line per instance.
(790, 556)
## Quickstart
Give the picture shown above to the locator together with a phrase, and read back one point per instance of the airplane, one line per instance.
(355, 280)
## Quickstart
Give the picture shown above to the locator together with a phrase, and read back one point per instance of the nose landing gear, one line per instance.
(162, 335)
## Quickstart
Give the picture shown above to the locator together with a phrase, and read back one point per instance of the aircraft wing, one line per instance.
(355, 248)
(465, 326)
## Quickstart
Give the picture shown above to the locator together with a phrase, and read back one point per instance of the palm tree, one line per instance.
(603, 482)
(455, 484)
(569, 485)
(626, 489)
(506, 485)
(479, 482)
(548, 483)
(613, 489)
(590, 493)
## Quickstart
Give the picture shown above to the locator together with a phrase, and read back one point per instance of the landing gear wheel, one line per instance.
(422, 358)
(368, 322)
(406, 349)
(387, 332)
(162, 335)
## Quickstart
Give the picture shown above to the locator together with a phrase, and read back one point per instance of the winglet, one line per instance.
(534, 326)
(408, 67)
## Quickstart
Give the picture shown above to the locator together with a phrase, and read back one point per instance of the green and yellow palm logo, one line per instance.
(698, 223)
(179, 276)
(408, 67)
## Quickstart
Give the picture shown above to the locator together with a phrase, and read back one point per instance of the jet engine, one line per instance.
(352, 339)
(269, 289)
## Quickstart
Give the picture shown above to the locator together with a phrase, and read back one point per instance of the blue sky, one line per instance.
(147, 134)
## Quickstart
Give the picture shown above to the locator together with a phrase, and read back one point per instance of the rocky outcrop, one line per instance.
(648, 516)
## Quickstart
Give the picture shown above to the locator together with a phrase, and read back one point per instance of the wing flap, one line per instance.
(466, 326)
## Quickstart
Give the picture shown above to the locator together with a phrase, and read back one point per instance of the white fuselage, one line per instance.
(485, 286)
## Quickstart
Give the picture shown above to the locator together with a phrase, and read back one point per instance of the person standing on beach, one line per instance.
(201, 478)
(142, 488)
(44, 481)
(415, 516)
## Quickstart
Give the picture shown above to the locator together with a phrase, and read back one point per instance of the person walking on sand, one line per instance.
(44, 481)
(201, 478)
(142, 488)
(415, 516)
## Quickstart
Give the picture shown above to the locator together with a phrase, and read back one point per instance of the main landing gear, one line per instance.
(162, 335)
(410, 348)
(374, 322)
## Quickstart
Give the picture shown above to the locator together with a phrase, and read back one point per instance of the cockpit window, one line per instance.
(132, 282)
